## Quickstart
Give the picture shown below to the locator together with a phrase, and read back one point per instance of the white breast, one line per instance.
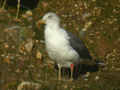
(58, 47)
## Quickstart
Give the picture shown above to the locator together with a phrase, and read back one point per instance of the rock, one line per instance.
(29, 45)
(6, 45)
(86, 79)
(87, 74)
(7, 59)
(44, 4)
(97, 78)
(27, 14)
(38, 55)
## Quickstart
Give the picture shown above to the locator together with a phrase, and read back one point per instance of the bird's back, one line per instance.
(79, 46)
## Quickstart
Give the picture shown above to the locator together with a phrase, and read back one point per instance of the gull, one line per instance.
(63, 47)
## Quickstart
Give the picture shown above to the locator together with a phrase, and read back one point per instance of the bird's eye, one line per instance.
(49, 16)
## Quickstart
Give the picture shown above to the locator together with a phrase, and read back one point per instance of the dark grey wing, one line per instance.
(78, 46)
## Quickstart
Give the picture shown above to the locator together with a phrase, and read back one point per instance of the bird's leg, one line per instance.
(71, 68)
(59, 73)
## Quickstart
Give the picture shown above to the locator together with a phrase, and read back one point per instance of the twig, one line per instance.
(18, 9)
(4, 3)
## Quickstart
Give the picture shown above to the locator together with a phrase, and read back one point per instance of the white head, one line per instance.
(51, 18)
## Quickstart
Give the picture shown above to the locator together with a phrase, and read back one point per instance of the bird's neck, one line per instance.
(51, 31)
(53, 26)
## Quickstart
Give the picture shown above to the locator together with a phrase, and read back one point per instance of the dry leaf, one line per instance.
(39, 55)
(7, 60)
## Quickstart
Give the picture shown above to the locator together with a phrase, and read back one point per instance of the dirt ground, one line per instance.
(24, 63)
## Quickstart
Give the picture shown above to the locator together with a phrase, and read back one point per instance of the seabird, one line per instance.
(63, 47)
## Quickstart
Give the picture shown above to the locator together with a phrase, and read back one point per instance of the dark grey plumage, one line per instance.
(79, 46)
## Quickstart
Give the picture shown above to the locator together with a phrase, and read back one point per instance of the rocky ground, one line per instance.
(24, 64)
